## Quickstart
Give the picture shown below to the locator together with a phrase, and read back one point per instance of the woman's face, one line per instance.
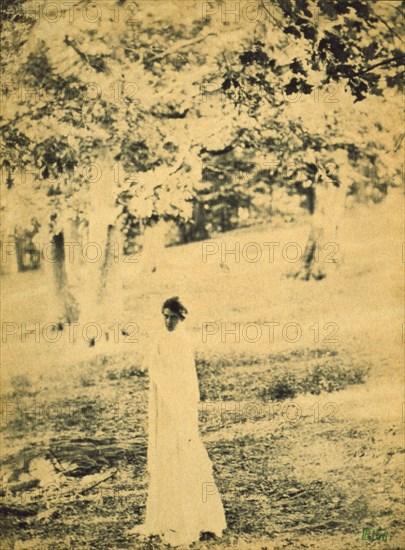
(171, 319)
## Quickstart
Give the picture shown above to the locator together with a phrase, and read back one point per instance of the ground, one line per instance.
(306, 437)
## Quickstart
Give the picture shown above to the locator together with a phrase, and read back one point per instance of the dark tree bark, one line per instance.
(69, 306)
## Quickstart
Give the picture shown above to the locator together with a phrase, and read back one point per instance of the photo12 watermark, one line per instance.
(89, 252)
(46, 493)
(263, 470)
(253, 11)
(89, 93)
(53, 332)
(289, 170)
(276, 90)
(71, 11)
(267, 252)
(269, 332)
(251, 411)
(91, 172)
(33, 411)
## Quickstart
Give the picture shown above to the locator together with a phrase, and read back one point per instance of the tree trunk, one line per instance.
(110, 287)
(101, 281)
(153, 248)
(322, 251)
(9, 261)
(67, 302)
(19, 245)
(310, 265)
(194, 230)
(105, 267)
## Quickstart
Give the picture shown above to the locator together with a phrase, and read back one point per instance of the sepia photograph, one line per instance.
(202, 275)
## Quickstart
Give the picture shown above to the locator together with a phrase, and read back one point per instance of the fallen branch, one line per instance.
(98, 483)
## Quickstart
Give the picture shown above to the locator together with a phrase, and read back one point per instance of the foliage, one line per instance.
(322, 377)
(330, 377)
(283, 386)
(276, 377)
(130, 99)
(21, 386)
(86, 459)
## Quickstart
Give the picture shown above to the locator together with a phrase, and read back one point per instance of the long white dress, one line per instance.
(183, 499)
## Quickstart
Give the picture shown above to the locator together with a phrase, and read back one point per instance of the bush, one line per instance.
(282, 386)
(21, 386)
(133, 370)
(86, 381)
(321, 377)
(332, 377)
(239, 376)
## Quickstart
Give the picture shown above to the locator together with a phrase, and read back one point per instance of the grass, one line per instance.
(21, 385)
(74, 430)
(90, 436)
(274, 377)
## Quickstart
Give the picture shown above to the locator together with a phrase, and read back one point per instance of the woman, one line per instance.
(183, 500)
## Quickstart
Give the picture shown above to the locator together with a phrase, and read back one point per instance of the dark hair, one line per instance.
(176, 306)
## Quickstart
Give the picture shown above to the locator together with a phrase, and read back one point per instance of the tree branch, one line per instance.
(274, 19)
(392, 31)
(399, 142)
(380, 64)
(109, 476)
(180, 45)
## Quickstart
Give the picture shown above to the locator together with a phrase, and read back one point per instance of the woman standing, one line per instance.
(183, 500)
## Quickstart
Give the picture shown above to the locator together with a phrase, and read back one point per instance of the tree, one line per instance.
(167, 152)
(94, 159)
(303, 47)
